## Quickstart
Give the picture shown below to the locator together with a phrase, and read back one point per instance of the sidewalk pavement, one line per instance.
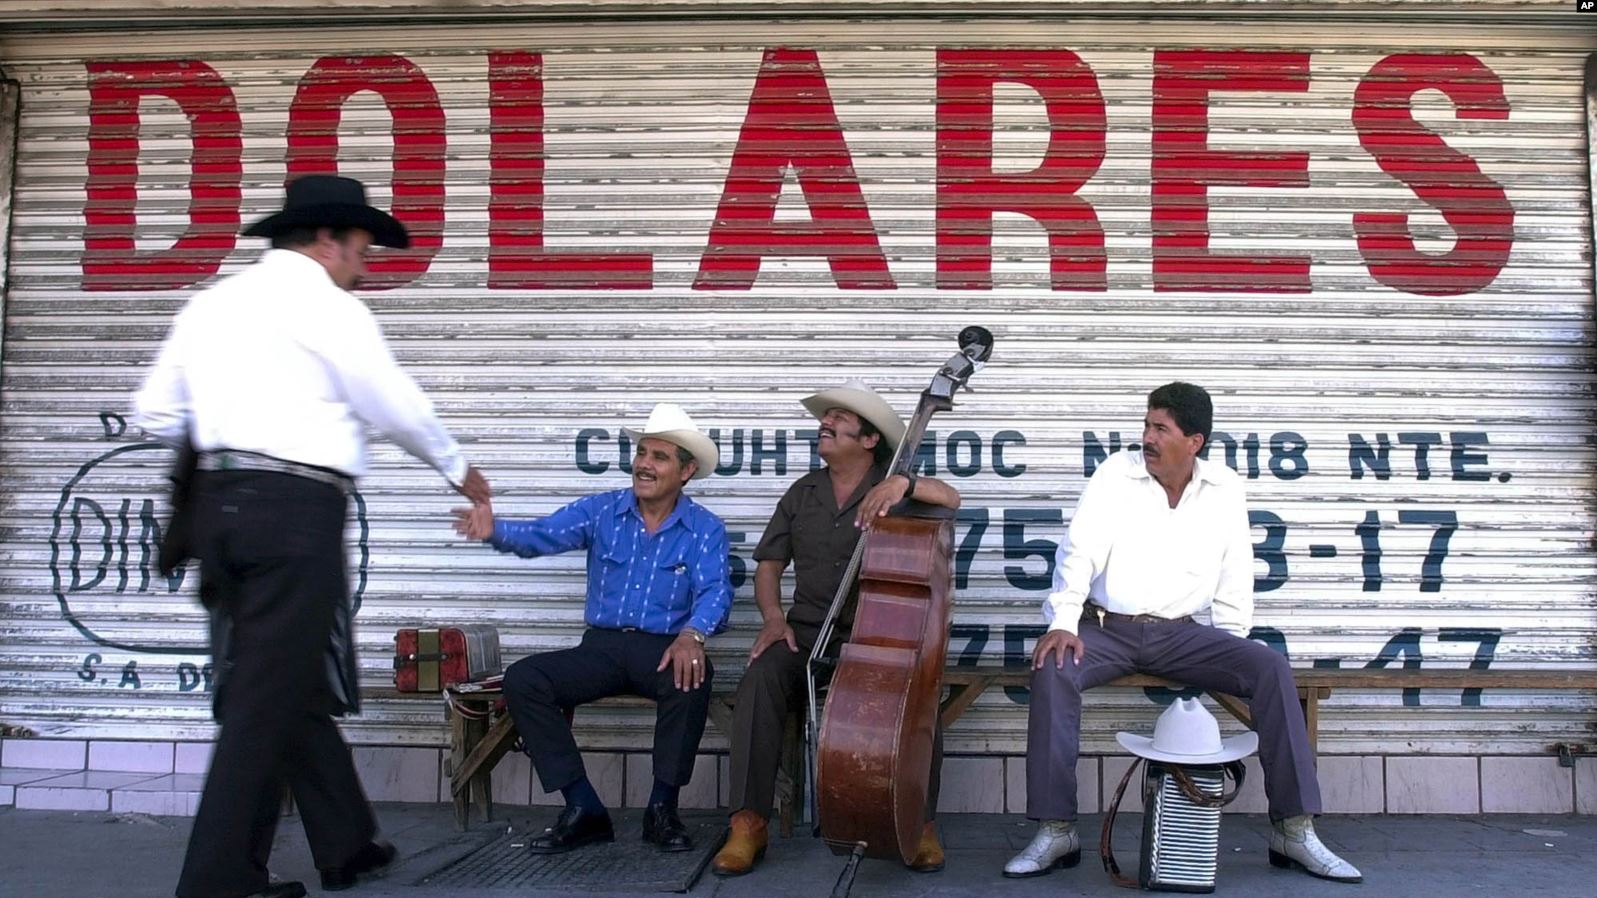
(61, 854)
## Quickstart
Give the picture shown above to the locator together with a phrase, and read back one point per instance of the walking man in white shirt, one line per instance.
(273, 374)
(1159, 536)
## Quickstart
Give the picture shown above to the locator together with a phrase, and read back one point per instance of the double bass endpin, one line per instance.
(845, 880)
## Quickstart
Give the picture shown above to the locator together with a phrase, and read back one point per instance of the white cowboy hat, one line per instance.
(670, 423)
(1188, 734)
(856, 397)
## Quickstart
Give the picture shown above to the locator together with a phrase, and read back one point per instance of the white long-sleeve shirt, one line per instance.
(278, 359)
(1130, 552)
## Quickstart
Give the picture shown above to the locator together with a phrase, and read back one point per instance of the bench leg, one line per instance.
(1311, 716)
(482, 784)
(960, 697)
(1235, 706)
(487, 742)
(458, 749)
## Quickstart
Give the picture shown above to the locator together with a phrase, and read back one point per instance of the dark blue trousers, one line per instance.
(539, 689)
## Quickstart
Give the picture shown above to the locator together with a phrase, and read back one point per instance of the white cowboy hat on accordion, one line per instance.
(670, 423)
(1187, 733)
(856, 397)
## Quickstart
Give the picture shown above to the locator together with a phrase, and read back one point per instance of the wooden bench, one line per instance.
(478, 740)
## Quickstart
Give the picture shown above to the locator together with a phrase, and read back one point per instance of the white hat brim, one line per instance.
(701, 447)
(864, 403)
(1231, 748)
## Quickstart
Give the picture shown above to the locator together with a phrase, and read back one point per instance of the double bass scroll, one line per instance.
(872, 747)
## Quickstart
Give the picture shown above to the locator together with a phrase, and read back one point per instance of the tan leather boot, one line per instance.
(929, 857)
(744, 845)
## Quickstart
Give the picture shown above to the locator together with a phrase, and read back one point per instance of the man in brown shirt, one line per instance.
(815, 528)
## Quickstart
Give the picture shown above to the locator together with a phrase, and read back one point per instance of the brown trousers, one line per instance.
(772, 686)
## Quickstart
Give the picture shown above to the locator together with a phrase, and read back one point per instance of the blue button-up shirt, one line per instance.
(658, 582)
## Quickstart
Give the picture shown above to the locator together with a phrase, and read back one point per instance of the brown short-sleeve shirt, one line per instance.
(809, 530)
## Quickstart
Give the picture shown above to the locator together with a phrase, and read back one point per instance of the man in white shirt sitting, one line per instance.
(273, 375)
(1159, 536)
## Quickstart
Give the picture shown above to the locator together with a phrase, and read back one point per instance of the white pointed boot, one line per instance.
(1055, 845)
(1293, 843)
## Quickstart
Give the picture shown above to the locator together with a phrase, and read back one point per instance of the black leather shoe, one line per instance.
(573, 829)
(374, 858)
(663, 829)
(286, 889)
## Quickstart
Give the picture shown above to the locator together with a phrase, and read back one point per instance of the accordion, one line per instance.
(429, 660)
(1180, 838)
(1180, 825)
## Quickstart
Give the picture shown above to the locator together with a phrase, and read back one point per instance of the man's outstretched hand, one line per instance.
(476, 522)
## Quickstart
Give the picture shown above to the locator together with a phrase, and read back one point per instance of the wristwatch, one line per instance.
(909, 491)
(695, 635)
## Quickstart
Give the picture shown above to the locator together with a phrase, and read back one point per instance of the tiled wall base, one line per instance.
(165, 778)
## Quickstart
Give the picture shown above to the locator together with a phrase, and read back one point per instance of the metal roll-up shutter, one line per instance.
(1418, 456)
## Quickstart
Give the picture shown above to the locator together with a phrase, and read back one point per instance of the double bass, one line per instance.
(872, 748)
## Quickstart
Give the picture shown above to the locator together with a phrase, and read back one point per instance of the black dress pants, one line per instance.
(540, 688)
(271, 551)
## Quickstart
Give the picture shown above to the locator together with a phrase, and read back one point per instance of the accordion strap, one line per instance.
(1202, 799)
(1106, 848)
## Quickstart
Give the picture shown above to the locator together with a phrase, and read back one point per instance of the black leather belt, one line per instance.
(1091, 611)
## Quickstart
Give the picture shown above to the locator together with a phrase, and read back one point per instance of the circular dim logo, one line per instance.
(105, 539)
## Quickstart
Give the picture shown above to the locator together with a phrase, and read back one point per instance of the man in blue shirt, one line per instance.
(658, 584)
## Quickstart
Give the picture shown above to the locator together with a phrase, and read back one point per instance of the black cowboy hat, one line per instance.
(328, 201)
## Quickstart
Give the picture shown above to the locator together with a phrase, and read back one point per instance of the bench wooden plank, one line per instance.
(1445, 678)
(1338, 677)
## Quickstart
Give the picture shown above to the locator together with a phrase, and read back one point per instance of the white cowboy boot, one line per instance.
(1293, 843)
(1055, 845)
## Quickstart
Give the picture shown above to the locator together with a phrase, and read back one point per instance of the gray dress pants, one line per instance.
(1187, 652)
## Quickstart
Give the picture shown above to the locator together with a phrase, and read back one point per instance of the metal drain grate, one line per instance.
(626, 865)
